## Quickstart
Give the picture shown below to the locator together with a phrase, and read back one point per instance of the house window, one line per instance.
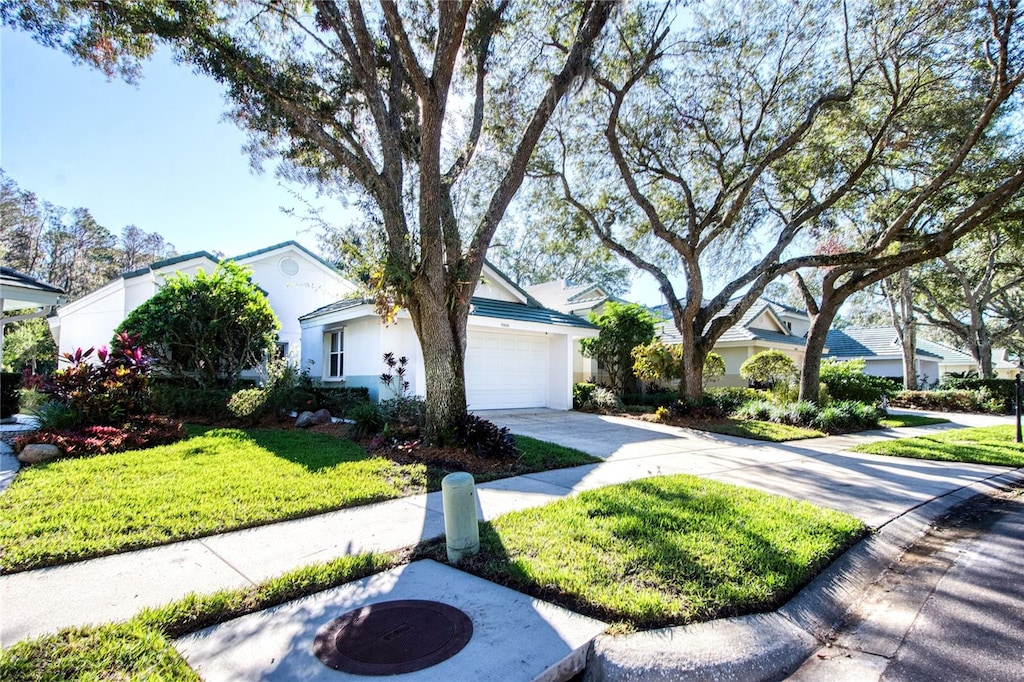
(282, 350)
(336, 354)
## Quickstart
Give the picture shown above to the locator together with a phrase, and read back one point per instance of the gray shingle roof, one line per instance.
(566, 296)
(869, 342)
(741, 331)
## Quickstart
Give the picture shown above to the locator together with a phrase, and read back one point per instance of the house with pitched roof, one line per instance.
(766, 325)
(519, 353)
(880, 349)
(294, 279)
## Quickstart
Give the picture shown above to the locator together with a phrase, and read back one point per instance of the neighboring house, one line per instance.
(1004, 364)
(580, 300)
(880, 349)
(518, 354)
(25, 296)
(767, 325)
(294, 279)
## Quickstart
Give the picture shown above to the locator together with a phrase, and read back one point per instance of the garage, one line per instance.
(506, 370)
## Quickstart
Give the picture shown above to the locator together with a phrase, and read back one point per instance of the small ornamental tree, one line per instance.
(624, 326)
(207, 328)
(768, 368)
(657, 361)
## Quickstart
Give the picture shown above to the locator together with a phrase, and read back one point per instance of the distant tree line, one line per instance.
(68, 247)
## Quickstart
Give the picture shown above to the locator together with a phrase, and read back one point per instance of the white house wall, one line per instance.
(293, 295)
(93, 325)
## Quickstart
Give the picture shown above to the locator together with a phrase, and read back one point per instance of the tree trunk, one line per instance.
(810, 371)
(984, 357)
(908, 333)
(442, 336)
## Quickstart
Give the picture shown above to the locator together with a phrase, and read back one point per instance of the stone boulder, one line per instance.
(313, 418)
(34, 453)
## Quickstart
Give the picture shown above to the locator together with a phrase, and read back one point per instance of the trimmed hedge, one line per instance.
(10, 382)
(999, 389)
(959, 400)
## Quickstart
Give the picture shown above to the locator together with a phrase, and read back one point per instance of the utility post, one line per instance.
(1017, 393)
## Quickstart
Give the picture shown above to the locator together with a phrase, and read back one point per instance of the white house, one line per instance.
(880, 349)
(580, 300)
(519, 353)
(766, 325)
(294, 279)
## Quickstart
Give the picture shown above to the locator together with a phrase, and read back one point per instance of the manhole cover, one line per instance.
(393, 637)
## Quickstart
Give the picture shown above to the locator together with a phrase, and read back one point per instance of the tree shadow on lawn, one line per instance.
(312, 450)
(659, 555)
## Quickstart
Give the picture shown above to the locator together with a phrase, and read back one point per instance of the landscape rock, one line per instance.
(307, 418)
(34, 453)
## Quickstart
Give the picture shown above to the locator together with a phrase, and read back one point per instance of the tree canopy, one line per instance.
(208, 328)
(429, 112)
(623, 327)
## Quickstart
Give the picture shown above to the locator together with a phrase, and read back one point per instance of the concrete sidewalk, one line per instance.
(876, 489)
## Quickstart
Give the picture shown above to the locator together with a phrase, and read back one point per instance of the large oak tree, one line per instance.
(430, 110)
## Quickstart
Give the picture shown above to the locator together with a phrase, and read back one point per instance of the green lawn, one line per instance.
(987, 445)
(217, 480)
(662, 551)
(758, 430)
(896, 421)
(140, 649)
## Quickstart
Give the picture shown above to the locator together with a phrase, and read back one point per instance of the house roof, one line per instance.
(335, 307)
(19, 290)
(565, 295)
(174, 260)
(739, 332)
(868, 342)
(289, 243)
(488, 307)
(945, 353)
(481, 307)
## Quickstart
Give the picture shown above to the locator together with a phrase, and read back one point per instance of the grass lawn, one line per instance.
(896, 421)
(984, 445)
(140, 649)
(758, 430)
(661, 551)
(216, 480)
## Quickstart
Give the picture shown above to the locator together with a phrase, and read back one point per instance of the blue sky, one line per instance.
(158, 154)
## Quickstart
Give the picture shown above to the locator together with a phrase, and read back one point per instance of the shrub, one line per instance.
(651, 398)
(768, 368)
(366, 420)
(109, 393)
(602, 398)
(955, 400)
(847, 415)
(249, 403)
(404, 413)
(170, 398)
(760, 409)
(1002, 391)
(10, 382)
(55, 416)
(623, 326)
(846, 381)
(656, 361)
(581, 394)
(729, 398)
(100, 440)
(486, 439)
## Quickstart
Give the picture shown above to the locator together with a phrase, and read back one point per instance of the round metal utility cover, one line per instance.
(393, 637)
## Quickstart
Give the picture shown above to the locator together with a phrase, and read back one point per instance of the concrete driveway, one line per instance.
(874, 488)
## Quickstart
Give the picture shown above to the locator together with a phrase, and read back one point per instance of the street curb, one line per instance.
(772, 646)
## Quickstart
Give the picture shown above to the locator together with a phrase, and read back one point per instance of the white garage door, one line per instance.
(506, 370)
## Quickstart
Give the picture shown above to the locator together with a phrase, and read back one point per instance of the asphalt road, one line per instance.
(951, 609)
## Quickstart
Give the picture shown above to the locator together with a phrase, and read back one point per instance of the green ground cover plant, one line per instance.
(217, 480)
(141, 648)
(982, 445)
(897, 421)
(662, 551)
